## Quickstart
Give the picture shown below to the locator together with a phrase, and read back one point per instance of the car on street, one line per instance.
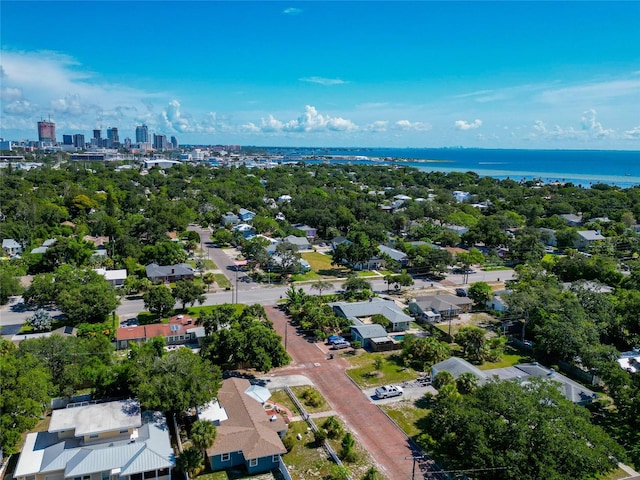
(335, 338)
(389, 391)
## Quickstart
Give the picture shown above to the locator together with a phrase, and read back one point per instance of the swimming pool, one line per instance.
(398, 338)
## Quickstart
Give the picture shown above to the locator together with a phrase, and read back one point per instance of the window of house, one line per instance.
(225, 457)
(275, 458)
(253, 462)
(136, 476)
(93, 435)
(124, 430)
(106, 475)
(150, 474)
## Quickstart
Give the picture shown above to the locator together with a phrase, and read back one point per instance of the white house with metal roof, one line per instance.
(111, 440)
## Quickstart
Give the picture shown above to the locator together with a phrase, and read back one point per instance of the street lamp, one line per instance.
(238, 264)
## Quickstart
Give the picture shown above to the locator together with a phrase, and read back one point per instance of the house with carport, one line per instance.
(361, 312)
(435, 308)
(248, 437)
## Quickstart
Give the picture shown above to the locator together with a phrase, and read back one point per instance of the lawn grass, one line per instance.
(407, 414)
(282, 398)
(510, 357)
(495, 268)
(195, 311)
(391, 371)
(616, 474)
(221, 280)
(322, 406)
(305, 460)
(321, 264)
(304, 277)
(368, 273)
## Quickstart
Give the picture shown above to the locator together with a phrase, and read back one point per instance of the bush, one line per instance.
(333, 427)
(289, 442)
(40, 321)
(356, 344)
(319, 437)
(311, 398)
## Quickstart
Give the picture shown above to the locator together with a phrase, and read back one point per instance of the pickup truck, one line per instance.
(388, 391)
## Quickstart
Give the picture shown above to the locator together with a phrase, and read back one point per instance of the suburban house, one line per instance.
(248, 436)
(246, 230)
(11, 247)
(461, 196)
(571, 219)
(245, 215)
(457, 229)
(179, 331)
(548, 236)
(571, 390)
(300, 242)
(496, 302)
(169, 273)
(372, 337)
(588, 237)
(445, 306)
(396, 255)
(45, 246)
(65, 331)
(115, 278)
(230, 219)
(284, 199)
(360, 313)
(107, 441)
(310, 232)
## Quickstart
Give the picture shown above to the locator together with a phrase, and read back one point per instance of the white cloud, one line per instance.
(323, 81)
(9, 94)
(415, 126)
(592, 92)
(292, 11)
(592, 127)
(174, 120)
(377, 126)
(464, 125)
(309, 121)
(633, 134)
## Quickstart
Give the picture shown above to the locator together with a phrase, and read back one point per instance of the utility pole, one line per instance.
(415, 458)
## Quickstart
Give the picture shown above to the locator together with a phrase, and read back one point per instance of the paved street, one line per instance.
(384, 441)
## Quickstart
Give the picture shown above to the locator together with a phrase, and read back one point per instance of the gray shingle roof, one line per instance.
(456, 367)
(366, 309)
(370, 331)
(154, 270)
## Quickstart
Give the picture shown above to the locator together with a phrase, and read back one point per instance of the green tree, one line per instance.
(203, 434)
(473, 343)
(159, 300)
(9, 284)
(333, 427)
(467, 382)
(177, 381)
(347, 448)
(443, 378)
(321, 286)
(480, 293)
(190, 462)
(26, 386)
(208, 279)
(217, 317)
(357, 287)
(187, 292)
(222, 237)
(423, 352)
(372, 474)
(531, 430)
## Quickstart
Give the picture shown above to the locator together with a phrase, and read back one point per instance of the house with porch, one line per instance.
(586, 238)
(180, 330)
(116, 278)
(99, 441)
(248, 437)
(11, 247)
(245, 215)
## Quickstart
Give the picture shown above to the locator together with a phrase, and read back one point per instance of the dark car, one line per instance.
(461, 292)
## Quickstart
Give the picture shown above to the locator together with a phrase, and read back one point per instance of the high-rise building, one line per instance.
(160, 142)
(46, 132)
(67, 139)
(78, 141)
(112, 134)
(142, 134)
(174, 142)
(97, 134)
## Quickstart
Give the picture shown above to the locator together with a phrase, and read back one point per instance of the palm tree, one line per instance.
(190, 461)
(203, 434)
(208, 279)
(321, 285)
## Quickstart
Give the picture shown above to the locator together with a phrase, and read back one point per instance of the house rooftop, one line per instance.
(94, 418)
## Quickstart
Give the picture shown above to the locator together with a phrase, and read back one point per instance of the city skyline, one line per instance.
(373, 74)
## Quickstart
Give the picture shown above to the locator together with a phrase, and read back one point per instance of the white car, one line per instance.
(389, 391)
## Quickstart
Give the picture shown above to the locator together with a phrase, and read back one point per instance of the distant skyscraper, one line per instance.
(97, 134)
(112, 134)
(160, 142)
(127, 142)
(78, 141)
(67, 139)
(47, 132)
(174, 142)
(142, 134)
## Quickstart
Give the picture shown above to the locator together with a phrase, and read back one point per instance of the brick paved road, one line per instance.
(386, 443)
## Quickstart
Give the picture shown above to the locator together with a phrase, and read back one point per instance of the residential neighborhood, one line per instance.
(246, 331)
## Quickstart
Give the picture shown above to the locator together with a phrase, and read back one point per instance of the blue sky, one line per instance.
(398, 74)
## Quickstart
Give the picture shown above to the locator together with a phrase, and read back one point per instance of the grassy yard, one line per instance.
(195, 311)
(305, 460)
(221, 280)
(321, 264)
(407, 414)
(365, 374)
(321, 404)
(281, 398)
(510, 357)
(303, 277)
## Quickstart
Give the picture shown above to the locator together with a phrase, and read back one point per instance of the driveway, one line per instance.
(384, 441)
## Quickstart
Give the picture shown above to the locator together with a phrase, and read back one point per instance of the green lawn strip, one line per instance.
(495, 268)
(305, 460)
(322, 405)
(407, 415)
(209, 265)
(617, 474)
(391, 371)
(145, 318)
(368, 273)
(509, 358)
(195, 311)
(221, 280)
(213, 476)
(282, 398)
(318, 261)
(363, 460)
(303, 277)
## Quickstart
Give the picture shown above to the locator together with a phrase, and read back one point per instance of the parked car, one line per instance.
(389, 391)
(334, 339)
(461, 292)
(341, 345)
